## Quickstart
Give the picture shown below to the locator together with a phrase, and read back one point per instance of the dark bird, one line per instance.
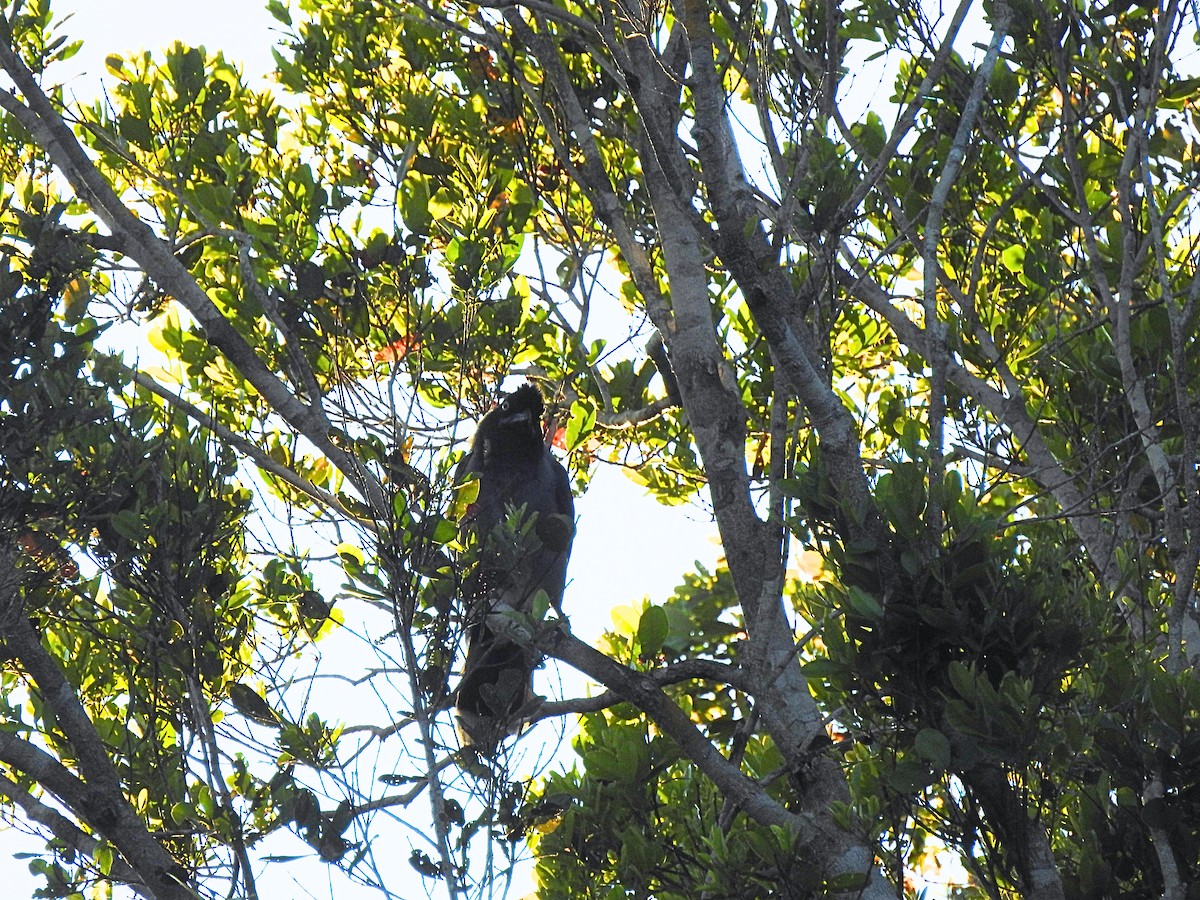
(524, 522)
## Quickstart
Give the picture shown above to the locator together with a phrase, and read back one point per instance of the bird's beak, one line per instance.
(521, 417)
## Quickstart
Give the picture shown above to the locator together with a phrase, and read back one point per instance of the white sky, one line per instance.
(243, 30)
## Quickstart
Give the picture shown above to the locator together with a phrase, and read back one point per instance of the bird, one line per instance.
(523, 519)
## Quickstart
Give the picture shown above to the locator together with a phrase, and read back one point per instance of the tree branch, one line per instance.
(70, 834)
(101, 800)
(645, 693)
(936, 331)
(686, 670)
(256, 454)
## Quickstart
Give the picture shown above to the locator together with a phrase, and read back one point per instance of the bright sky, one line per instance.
(627, 545)
(243, 30)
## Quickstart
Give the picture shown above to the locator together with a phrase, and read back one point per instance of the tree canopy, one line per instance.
(903, 292)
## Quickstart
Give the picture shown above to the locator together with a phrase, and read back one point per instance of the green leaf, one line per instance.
(129, 524)
(962, 679)
(871, 133)
(824, 668)
(135, 129)
(864, 604)
(250, 704)
(279, 10)
(653, 629)
(1013, 258)
(186, 66)
(1164, 697)
(414, 204)
(444, 531)
(934, 747)
(313, 606)
(580, 424)
(350, 554)
(441, 204)
(910, 776)
(602, 763)
(182, 813)
(465, 495)
(104, 858)
(625, 619)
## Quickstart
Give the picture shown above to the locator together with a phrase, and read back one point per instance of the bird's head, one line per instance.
(522, 410)
(515, 424)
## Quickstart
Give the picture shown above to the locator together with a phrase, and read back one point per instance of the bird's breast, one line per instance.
(503, 486)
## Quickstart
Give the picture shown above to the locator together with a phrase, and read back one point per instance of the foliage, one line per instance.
(942, 341)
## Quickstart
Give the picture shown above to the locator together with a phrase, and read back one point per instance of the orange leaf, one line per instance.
(398, 348)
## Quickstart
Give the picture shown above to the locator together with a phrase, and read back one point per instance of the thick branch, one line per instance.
(908, 118)
(256, 454)
(590, 174)
(814, 829)
(687, 670)
(67, 832)
(102, 801)
(644, 692)
(745, 249)
(631, 418)
(1009, 411)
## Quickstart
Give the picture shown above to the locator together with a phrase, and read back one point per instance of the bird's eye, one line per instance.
(505, 405)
